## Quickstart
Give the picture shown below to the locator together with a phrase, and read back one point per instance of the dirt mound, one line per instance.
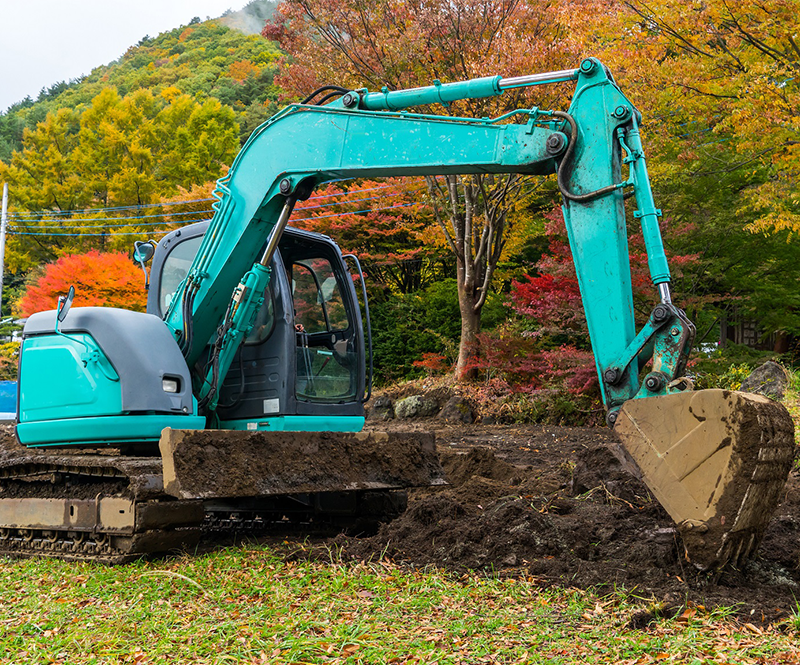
(480, 462)
(554, 503)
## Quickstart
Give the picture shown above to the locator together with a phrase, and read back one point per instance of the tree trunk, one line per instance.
(470, 327)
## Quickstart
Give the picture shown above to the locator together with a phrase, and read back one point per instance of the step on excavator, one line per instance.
(236, 401)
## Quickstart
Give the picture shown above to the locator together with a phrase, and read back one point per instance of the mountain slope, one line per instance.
(202, 59)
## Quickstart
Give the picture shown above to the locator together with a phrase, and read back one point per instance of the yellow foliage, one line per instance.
(714, 76)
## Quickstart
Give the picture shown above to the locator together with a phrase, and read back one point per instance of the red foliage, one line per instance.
(432, 363)
(100, 280)
(552, 298)
(528, 367)
(384, 223)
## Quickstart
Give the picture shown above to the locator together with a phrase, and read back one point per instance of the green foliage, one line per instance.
(9, 354)
(727, 367)
(115, 151)
(442, 314)
(730, 379)
(399, 337)
(405, 327)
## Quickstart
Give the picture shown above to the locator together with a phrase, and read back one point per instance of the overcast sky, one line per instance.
(46, 41)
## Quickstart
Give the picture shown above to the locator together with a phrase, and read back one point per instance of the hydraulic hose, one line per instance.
(337, 89)
(565, 167)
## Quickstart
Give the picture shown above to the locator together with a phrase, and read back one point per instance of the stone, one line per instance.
(382, 408)
(415, 406)
(770, 380)
(457, 410)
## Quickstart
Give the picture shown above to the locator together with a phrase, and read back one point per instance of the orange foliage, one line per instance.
(100, 280)
(241, 69)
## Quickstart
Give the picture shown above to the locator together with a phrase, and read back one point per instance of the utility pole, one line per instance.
(3, 221)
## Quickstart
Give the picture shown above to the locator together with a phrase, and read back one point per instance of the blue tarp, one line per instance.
(8, 397)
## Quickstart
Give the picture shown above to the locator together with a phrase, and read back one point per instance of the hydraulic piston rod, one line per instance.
(445, 93)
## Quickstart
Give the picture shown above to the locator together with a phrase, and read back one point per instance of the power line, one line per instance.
(38, 216)
(92, 211)
(61, 225)
(115, 219)
(126, 233)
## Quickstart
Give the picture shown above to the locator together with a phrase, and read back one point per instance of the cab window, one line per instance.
(327, 355)
(176, 267)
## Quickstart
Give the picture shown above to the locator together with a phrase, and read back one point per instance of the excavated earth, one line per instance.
(553, 504)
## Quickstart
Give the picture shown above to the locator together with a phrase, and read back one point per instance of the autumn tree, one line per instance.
(718, 84)
(385, 224)
(100, 280)
(118, 152)
(719, 71)
(405, 44)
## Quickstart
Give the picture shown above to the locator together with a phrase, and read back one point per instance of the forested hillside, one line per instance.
(158, 125)
(203, 59)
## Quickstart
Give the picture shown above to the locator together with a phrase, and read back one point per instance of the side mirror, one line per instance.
(142, 253)
(64, 303)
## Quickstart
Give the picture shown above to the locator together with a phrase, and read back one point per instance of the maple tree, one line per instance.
(410, 43)
(100, 280)
(385, 223)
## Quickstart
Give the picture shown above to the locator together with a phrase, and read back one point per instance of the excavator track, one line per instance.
(716, 460)
(111, 508)
(89, 506)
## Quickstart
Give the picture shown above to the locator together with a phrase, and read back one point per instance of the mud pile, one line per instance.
(553, 503)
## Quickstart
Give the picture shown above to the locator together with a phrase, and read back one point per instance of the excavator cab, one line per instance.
(304, 364)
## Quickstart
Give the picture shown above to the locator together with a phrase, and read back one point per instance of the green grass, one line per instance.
(792, 402)
(248, 605)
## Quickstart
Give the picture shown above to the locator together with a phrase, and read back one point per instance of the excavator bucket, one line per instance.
(209, 464)
(716, 460)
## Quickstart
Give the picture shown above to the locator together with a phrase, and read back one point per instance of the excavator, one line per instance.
(237, 400)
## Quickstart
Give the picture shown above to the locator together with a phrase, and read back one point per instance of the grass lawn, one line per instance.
(248, 605)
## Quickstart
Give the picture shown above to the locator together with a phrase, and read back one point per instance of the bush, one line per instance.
(9, 361)
(727, 367)
(417, 333)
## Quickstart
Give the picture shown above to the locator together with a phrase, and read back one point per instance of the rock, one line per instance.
(382, 408)
(457, 410)
(415, 406)
(510, 560)
(770, 379)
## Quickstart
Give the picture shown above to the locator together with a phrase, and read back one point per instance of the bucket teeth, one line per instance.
(716, 460)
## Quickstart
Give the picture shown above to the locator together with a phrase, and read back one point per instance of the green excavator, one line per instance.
(236, 401)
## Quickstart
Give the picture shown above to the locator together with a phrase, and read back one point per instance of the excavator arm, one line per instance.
(716, 462)
(304, 146)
